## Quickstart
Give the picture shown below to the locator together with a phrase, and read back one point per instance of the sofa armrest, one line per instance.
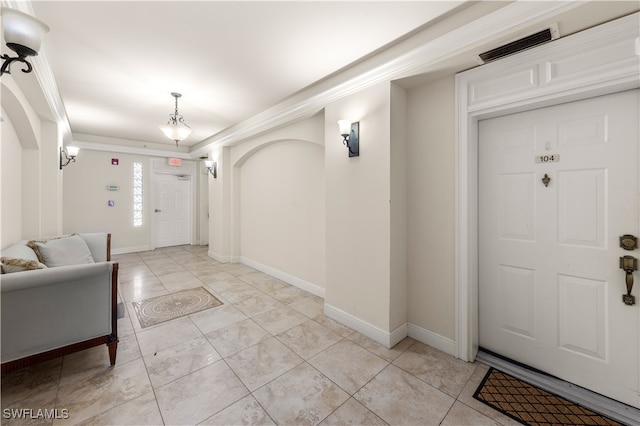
(55, 307)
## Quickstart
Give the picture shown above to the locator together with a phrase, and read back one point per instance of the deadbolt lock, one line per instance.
(628, 242)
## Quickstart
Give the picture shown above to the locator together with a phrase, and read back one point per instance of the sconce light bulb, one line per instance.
(345, 127)
(72, 151)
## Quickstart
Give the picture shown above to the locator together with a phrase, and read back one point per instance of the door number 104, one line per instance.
(551, 158)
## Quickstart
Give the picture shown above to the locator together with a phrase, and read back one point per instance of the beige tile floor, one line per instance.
(267, 356)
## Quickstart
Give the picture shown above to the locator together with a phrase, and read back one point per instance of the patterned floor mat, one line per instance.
(171, 306)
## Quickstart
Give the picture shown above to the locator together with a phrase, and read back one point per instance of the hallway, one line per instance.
(267, 356)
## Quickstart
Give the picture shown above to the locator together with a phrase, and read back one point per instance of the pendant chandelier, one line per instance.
(176, 129)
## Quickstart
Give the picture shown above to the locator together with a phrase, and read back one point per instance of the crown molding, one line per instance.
(47, 81)
(123, 149)
(456, 42)
(505, 20)
(44, 76)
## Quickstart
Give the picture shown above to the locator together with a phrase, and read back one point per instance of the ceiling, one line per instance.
(116, 62)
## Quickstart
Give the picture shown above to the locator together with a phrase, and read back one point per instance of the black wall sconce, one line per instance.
(68, 155)
(22, 34)
(212, 167)
(350, 136)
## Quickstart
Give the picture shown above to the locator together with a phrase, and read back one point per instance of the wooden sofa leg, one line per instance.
(113, 347)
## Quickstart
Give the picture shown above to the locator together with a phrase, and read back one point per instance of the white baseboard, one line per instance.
(398, 334)
(219, 257)
(288, 278)
(125, 250)
(390, 339)
(374, 333)
(432, 339)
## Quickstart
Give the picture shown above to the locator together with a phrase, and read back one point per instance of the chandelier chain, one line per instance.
(176, 129)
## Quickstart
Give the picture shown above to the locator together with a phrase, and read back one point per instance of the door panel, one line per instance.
(550, 292)
(582, 206)
(517, 286)
(517, 213)
(582, 316)
(172, 212)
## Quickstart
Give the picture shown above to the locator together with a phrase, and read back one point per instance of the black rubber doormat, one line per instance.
(531, 405)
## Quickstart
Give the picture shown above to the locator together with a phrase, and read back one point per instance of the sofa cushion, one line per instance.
(71, 250)
(32, 245)
(98, 243)
(20, 250)
(10, 264)
(19, 257)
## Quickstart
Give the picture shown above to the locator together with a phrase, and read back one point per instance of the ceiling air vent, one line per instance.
(519, 45)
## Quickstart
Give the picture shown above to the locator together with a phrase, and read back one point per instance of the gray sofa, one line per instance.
(50, 311)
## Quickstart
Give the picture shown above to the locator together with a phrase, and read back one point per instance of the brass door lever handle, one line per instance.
(629, 264)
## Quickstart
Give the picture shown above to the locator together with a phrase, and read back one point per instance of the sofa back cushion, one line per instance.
(99, 244)
(19, 257)
(71, 250)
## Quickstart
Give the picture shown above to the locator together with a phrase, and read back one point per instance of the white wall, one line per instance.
(282, 209)
(203, 204)
(431, 206)
(266, 206)
(11, 185)
(86, 198)
(31, 190)
(31, 181)
(219, 207)
(398, 204)
(357, 210)
(51, 189)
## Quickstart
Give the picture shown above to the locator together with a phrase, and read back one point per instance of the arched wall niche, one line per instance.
(277, 198)
(254, 150)
(19, 111)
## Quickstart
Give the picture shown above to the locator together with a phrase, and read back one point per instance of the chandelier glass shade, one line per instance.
(176, 129)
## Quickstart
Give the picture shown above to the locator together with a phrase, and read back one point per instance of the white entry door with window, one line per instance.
(558, 186)
(172, 209)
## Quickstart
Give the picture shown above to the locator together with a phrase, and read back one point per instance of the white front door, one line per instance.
(172, 209)
(550, 289)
